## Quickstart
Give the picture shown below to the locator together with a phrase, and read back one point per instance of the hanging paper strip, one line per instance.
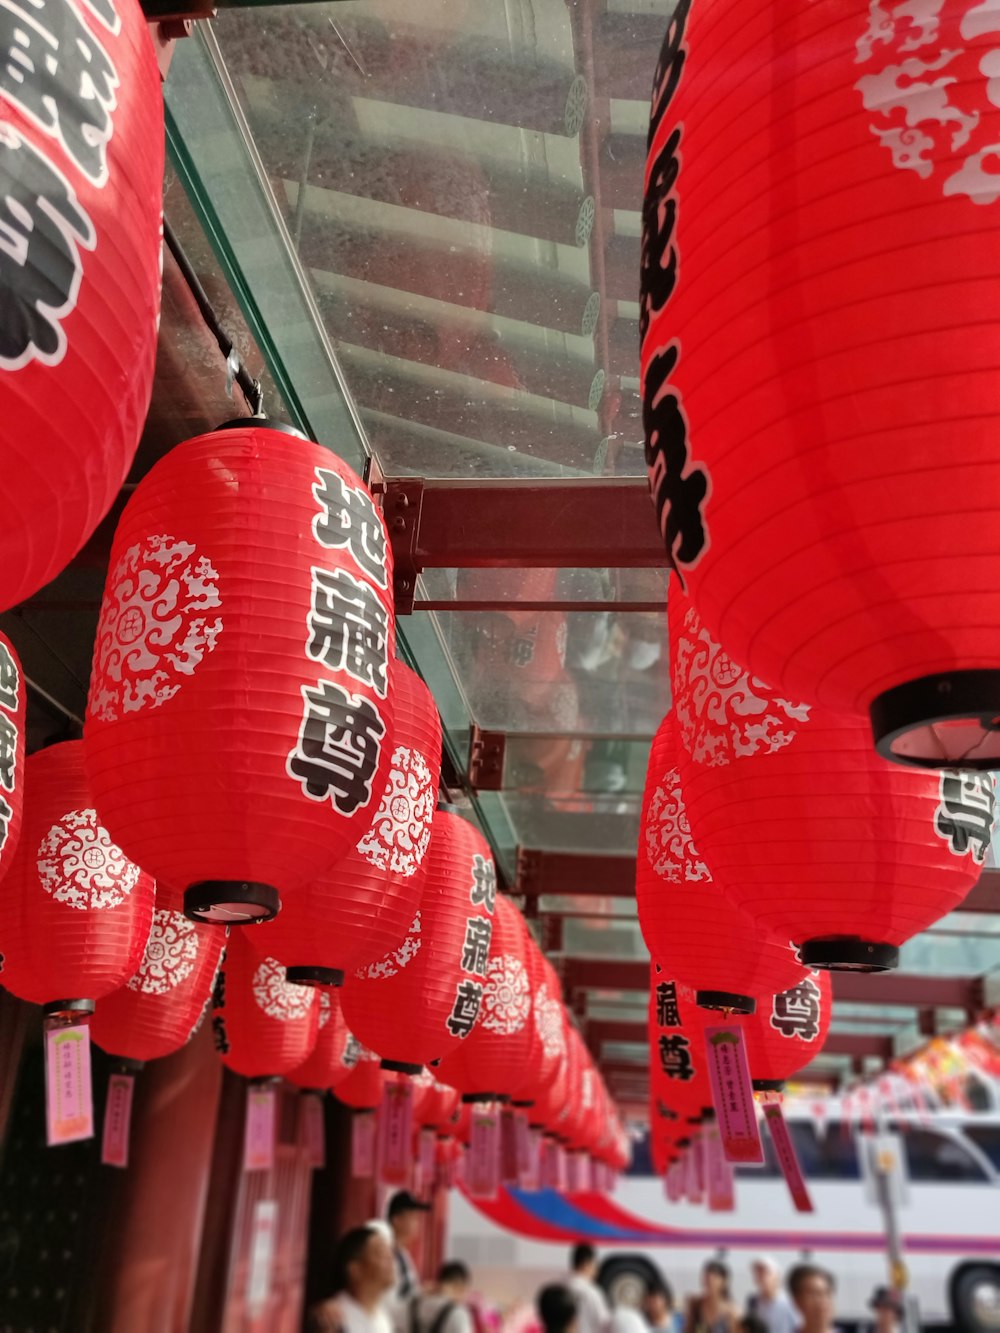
(784, 1150)
(482, 1162)
(550, 1170)
(395, 1133)
(259, 1128)
(427, 1160)
(531, 1161)
(363, 1145)
(572, 1172)
(117, 1120)
(69, 1107)
(510, 1167)
(732, 1093)
(718, 1174)
(312, 1130)
(674, 1182)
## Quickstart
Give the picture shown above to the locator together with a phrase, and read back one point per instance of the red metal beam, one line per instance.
(858, 1045)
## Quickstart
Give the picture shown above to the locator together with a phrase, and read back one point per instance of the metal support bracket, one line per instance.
(487, 750)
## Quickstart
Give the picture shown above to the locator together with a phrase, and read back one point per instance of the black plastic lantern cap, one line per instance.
(231, 902)
(948, 720)
(846, 953)
(768, 1084)
(67, 1010)
(314, 976)
(731, 1001)
(401, 1067)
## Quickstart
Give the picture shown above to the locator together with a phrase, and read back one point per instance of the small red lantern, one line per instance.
(81, 167)
(76, 912)
(423, 999)
(239, 724)
(362, 1088)
(264, 1025)
(784, 1036)
(361, 907)
(686, 920)
(803, 366)
(12, 725)
(820, 840)
(491, 1063)
(549, 1089)
(160, 1007)
(678, 1066)
(336, 1052)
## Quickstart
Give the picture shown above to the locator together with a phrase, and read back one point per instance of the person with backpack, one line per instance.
(444, 1308)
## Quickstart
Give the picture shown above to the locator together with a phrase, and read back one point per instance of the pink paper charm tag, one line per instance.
(395, 1133)
(482, 1163)
(312, 1130)
(732, 1093)
(784, 1150)
(69, 1104)
(117, 1120)
(259, 1129)
(363, 1145)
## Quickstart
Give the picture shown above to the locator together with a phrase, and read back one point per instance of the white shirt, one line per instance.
(429, 1307)
(778, 1315)
(625, 1320)
(594, 1315)
(354, 1318)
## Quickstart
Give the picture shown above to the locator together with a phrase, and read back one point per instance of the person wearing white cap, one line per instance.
(768, 1302)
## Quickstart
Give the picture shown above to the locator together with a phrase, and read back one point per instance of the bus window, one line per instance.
(987, 1140)
(934, 1157)
(830, 1155)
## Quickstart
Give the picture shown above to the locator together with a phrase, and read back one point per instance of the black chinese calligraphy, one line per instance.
(8, 752)
(667, 1013)
(675, 1057)
(465, 1010)
(58, 74)
(10, 679)
(476, 948)
(348, 518)
(219, 1035)
(349, 628)
(106, 12)
(678, 488)
(966, 813)
(796, 1011)
(42, 230)
(484, 883)
(6, 815)
(339, 747)
(352, 1052)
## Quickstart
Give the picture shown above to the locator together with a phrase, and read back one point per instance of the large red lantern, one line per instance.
(686, 920)
(550, 1089)
(336, 1052)
(492, 1062)
(359, 908)
(820, 383)
(423, 999)
(820, 840)
(160, 1006)
(76, 912)
(81, 179)
(264, 1025)
(239, 724)
(12, 713)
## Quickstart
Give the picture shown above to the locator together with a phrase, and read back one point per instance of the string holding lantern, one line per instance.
(424, 997)
(159, 1008)
(81, 168)
(264, 1026)
(850, 855)
(242, 671)
(357, 910)
(829, 541)
(686, 919)
(77, 912)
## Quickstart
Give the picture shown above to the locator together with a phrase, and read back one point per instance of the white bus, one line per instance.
(950, 1222)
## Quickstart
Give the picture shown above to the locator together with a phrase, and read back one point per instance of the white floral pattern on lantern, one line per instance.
(399, 834)
(171, 953)
(80, 865)
(506, 1001)
(549, 1023)
(154, 628)
(670, 848)
(396, 959)
(723, 713)
(923, 101)
(325, 1008)
(278, 997)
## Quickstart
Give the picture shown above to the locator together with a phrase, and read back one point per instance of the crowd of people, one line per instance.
(376, 1289)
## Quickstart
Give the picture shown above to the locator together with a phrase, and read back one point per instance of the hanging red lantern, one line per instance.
(424, 997)
(76, 912)
(239, 724)
(336, 1052)
(264, 1025)
(849, 855)
(357, 910)
(12, 726)
(801, 366)
(784, 1036)
(81, 176)
(160, 1007)
(686, 920)
(678, 1066)
(548, 1092)
(362, 1088)
(492, 1062)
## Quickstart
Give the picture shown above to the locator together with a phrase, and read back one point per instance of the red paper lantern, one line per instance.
(161, 1006)
(264, 1025)
(12, 711)
(784, 1036)
(820, 840)
(678, 1066)
(356, 911)
(76, 912)
(547, 1094)
(335, 1054)
(362, 1088)
(686, 920)
(423, 999)
(239, 724)
(492, 1062)
(438, 1108)
(81, 176)
(803, 365)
